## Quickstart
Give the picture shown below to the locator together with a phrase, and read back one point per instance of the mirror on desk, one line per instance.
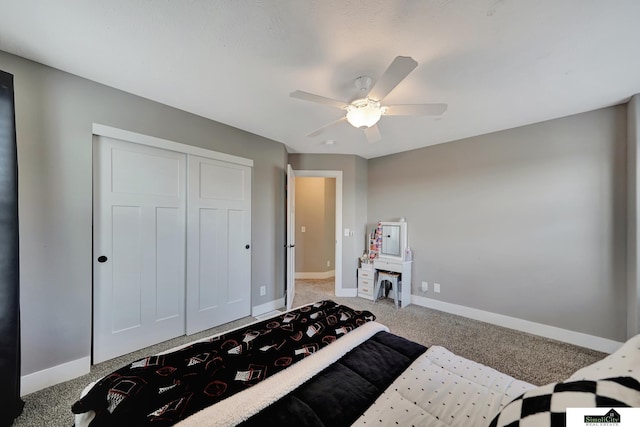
(393, 242)
(390, 240)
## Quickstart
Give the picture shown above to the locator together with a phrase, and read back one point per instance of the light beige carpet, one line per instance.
(523, 356)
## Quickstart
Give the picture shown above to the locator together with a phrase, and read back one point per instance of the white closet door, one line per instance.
(219, 239)
(139, 246)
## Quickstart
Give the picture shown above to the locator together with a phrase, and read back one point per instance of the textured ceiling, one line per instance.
(497, 63)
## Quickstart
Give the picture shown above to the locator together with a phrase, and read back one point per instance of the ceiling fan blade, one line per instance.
(373, 134)
(306, 96)
(327, 126)
(397, 71)
(416, 110)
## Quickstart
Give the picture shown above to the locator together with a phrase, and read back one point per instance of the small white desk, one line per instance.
(399, 266)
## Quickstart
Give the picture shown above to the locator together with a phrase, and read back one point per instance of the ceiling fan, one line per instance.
(366, 110)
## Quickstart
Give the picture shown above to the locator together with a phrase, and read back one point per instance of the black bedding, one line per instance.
(161, 390)
(339, 394)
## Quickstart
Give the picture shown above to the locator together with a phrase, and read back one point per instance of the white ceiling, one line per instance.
(497, 63)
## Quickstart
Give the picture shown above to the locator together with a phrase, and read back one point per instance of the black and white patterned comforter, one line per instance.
(163, 389)
(442, 389)
(546, 406)
(370, 377)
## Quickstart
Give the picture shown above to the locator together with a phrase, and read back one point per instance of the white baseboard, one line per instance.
(54, 375)
(565, 335)
(315, 275)
(267, 307)
(351, 292)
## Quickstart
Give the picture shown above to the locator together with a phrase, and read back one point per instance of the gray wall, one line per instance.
(528, 222)
(354, 203)
(54, 115)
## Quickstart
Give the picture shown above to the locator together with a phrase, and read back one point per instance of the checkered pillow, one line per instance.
(546, 406)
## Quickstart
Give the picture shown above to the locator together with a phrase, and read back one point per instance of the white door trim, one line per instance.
(290, 243)
(152, 141)
(338, 176)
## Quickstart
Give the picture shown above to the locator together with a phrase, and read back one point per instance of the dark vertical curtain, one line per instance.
(10, 402)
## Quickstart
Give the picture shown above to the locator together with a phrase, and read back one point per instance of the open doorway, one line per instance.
(325, 259)
(315, 205)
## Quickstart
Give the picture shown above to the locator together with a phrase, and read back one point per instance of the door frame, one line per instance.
(338, 235)
(290, 244)
(138, 138)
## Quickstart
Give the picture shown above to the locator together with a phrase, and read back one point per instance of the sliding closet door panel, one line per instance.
(170, 263)
(238, 271)
(219, 243)
(210, 259)
(126, 263)
(219, 182)
(139, 246)
(145, 173)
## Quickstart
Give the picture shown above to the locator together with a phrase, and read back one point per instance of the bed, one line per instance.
(325, 364)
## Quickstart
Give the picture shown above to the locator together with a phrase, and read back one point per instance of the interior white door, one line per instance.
(139, 246)
(218, 243)
(291, 236)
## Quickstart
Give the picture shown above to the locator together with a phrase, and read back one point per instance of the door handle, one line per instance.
(102, 259)
(247, 246)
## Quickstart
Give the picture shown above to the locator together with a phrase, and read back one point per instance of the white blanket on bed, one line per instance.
(441, 389)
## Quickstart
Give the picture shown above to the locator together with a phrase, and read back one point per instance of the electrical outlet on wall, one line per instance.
(263, 291)
(328, 263)
(425, 286)
(436, 288)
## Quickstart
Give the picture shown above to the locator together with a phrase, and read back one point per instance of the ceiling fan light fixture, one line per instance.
(364, 113)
